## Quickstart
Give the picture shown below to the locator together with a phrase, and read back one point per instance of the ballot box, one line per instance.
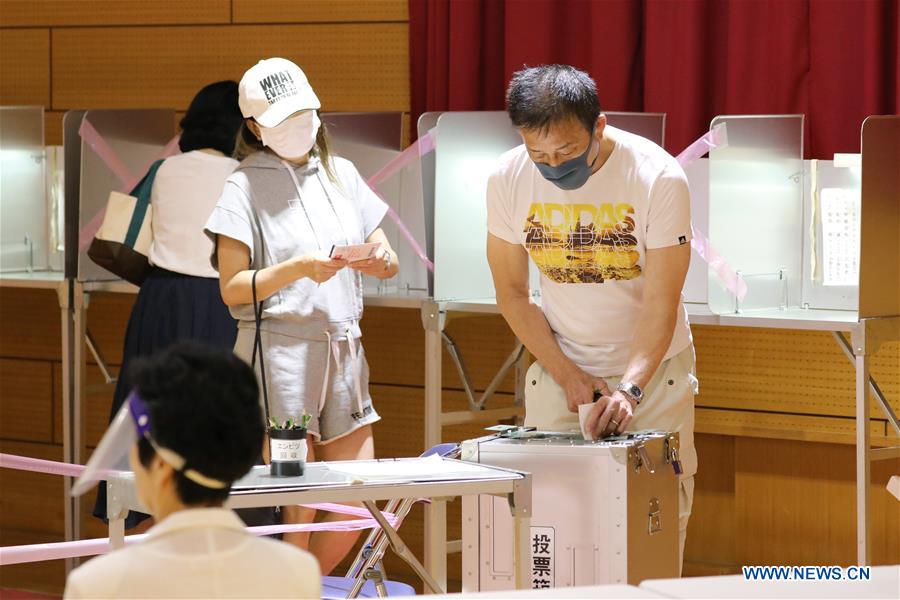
(603, 512)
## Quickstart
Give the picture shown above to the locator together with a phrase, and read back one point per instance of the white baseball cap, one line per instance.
(273, 89)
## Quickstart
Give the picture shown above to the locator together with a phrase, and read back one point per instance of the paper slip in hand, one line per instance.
(356, 252)
(583, 411)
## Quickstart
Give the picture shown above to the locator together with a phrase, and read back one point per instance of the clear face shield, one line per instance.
(131, 423)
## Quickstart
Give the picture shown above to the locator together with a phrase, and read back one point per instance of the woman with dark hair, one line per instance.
(201, 431)
(180, 298)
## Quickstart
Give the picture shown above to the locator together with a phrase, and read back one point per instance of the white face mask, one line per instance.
(294, 137)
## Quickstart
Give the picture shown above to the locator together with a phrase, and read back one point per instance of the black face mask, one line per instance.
(573, 173)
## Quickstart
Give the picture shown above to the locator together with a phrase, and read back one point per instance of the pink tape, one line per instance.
(420, 147)
(409, 238)
(714, 138)
(13, 555)
(37, 465)
(343, 509)
(96, 142)
(717, 137)
(729, 278)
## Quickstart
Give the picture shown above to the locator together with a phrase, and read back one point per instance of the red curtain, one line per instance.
(836, 61)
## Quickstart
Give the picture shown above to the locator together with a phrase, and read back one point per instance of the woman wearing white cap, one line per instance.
(281, 212)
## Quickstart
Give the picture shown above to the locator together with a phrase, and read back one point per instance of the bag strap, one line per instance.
(143, 189)
(257, 347)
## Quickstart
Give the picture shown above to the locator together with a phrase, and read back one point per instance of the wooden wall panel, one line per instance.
(107, 319)
(796, 505)
(392, 333)
(96, 408)
(808, 428)
(30, 324)
(64, 13)
(784, 371)
(25, 67)
(31, 501)
(400, 431)
(26, 398)
(48, 577)
(53, 128)
(711, 534)
(313, 11)
(352, 67)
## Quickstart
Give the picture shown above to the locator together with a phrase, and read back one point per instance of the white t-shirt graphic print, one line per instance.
(590, 244)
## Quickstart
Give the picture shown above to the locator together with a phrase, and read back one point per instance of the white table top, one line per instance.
(34, 279)
(884, 583)
(594, 591)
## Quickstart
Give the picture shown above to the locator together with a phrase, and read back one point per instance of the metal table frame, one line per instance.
(514, 485)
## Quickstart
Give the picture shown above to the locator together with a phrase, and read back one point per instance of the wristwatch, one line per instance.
(387, 260)
(630, 390)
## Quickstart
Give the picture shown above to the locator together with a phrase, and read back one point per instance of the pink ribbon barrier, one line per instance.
(729, 278)
(408, 236)
(128, 180)
(717, 137)
(37, 465)
(13, 555)
(419, 148)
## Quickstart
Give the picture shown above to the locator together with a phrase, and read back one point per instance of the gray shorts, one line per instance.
(318, 377)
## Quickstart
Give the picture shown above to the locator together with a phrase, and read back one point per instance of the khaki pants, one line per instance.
(668, 404)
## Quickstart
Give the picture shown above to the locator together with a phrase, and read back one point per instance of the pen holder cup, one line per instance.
(287, 452)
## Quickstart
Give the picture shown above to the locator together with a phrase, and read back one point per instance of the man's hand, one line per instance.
(579, 387)
(610, 415)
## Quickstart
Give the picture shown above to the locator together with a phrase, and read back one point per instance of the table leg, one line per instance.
(68, 336)
(522, 541)
(436, 540)
(863, 464)
(116, 534)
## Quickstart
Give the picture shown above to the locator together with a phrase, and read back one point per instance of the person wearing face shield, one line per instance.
(190, 427)
(281, 212)
(605, 216)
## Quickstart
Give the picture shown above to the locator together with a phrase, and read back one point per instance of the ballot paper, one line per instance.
(356, 252)
(840, 236)
(431, 468)
(583, 411)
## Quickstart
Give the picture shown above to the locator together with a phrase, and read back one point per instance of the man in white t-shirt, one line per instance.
(605, 215)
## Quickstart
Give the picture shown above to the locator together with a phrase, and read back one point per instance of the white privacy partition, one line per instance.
(136, 137)
(756, 211)
(370, 141)
(697, 280)
(427, 163)
(648, 125)
(24, 214)
(468, 146)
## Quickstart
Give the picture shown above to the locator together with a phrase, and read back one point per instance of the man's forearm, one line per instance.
(652, 337)
(530, 325)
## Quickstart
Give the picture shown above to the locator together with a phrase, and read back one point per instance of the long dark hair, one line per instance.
(212, 119)
(247, 143)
